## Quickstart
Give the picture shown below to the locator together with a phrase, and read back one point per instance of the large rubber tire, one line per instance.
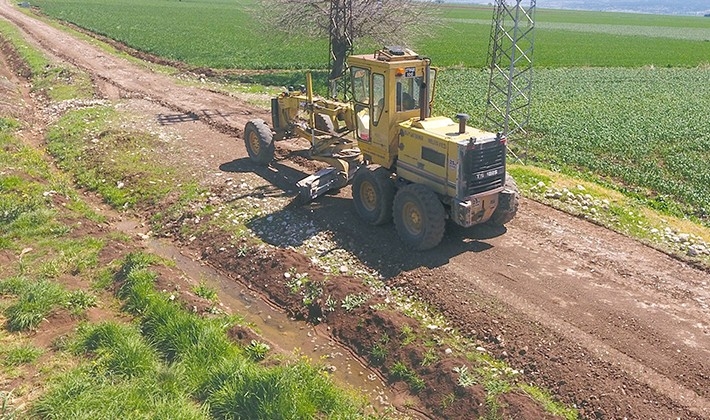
(373, 194)
(419, 217)
(259, 141)
(508, 203)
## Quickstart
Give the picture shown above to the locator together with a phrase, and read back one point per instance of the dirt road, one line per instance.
(615, 327)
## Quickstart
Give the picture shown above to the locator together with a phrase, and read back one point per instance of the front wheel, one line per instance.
(259, 141)
(373, 194)
(508, 202)
(419, 217)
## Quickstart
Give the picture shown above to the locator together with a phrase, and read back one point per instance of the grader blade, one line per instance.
(313, 186)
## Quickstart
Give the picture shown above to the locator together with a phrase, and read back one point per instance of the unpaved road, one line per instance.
(615, 327)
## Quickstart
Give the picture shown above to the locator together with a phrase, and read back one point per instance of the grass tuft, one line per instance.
(20, 355)
(35, 301)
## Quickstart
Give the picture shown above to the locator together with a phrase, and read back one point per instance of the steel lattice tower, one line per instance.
(340, 39)
(510, 60)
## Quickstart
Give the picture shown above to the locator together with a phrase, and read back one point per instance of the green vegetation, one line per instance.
(177, 358)
(206, 292)
(213, 33)
(170, 364)
(400, 371)
(110, 162)
(30, 226)
(640, 128)
(19, 355)
(56, 82)
(642, 131)
(35, 300)
(551, 406)
(572, 39)
(225, 34)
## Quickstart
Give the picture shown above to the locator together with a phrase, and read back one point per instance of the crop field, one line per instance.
(645, 130)
(230, 34)
(620, 97)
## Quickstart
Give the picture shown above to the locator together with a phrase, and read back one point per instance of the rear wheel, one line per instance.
(419, 217)
(373, 194)
(259, 142)
(508, 201)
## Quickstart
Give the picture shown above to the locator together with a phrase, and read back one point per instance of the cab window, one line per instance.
(408, 93)
(360, 84)
(361, 95)
(378, 97)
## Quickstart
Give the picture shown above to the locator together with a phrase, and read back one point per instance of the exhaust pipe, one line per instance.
(463, 118)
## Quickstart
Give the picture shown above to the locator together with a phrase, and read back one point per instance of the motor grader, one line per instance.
(403, 163)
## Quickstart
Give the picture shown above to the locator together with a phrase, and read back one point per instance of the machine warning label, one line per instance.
(410, 72)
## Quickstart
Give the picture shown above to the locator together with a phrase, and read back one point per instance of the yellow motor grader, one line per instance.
(403, 163)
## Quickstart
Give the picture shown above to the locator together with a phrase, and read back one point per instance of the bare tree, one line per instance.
(393, 22)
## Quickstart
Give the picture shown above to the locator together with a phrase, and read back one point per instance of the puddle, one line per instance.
(275, 326)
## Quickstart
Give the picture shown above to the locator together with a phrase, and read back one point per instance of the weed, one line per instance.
(206, 292)
(79, 301)
(242, 250)
(400, 371)
(20, 355)
(257, 350)
(408, 335)
(494, 388)
(551, 406)
(330, 303)
(429, 357)
(378, 352)
(353, 301)
(448, 399)
(296, 281)
(466, 379)
(35, 301)
(311, 292)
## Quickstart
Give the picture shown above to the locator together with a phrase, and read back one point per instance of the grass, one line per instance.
(56, 82)
(639, 130)
(19, 355)
(35, 301)
(111, 162)
(172, 339)
(226, 34)
(400, 371)
(639, 116)
(218, 371)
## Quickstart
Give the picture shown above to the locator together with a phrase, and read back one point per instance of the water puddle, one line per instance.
(275, 326)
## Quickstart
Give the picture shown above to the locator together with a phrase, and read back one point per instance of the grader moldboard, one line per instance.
(404, 164)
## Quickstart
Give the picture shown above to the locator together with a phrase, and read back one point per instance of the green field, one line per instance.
(619, 97)
(230, 34)
(645, 130)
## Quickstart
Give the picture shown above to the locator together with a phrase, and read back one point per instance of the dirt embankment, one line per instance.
(609, 325)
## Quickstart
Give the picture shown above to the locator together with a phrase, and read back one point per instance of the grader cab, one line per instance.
(403, 163)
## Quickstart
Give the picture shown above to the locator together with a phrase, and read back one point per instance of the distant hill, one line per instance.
(665, 7)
